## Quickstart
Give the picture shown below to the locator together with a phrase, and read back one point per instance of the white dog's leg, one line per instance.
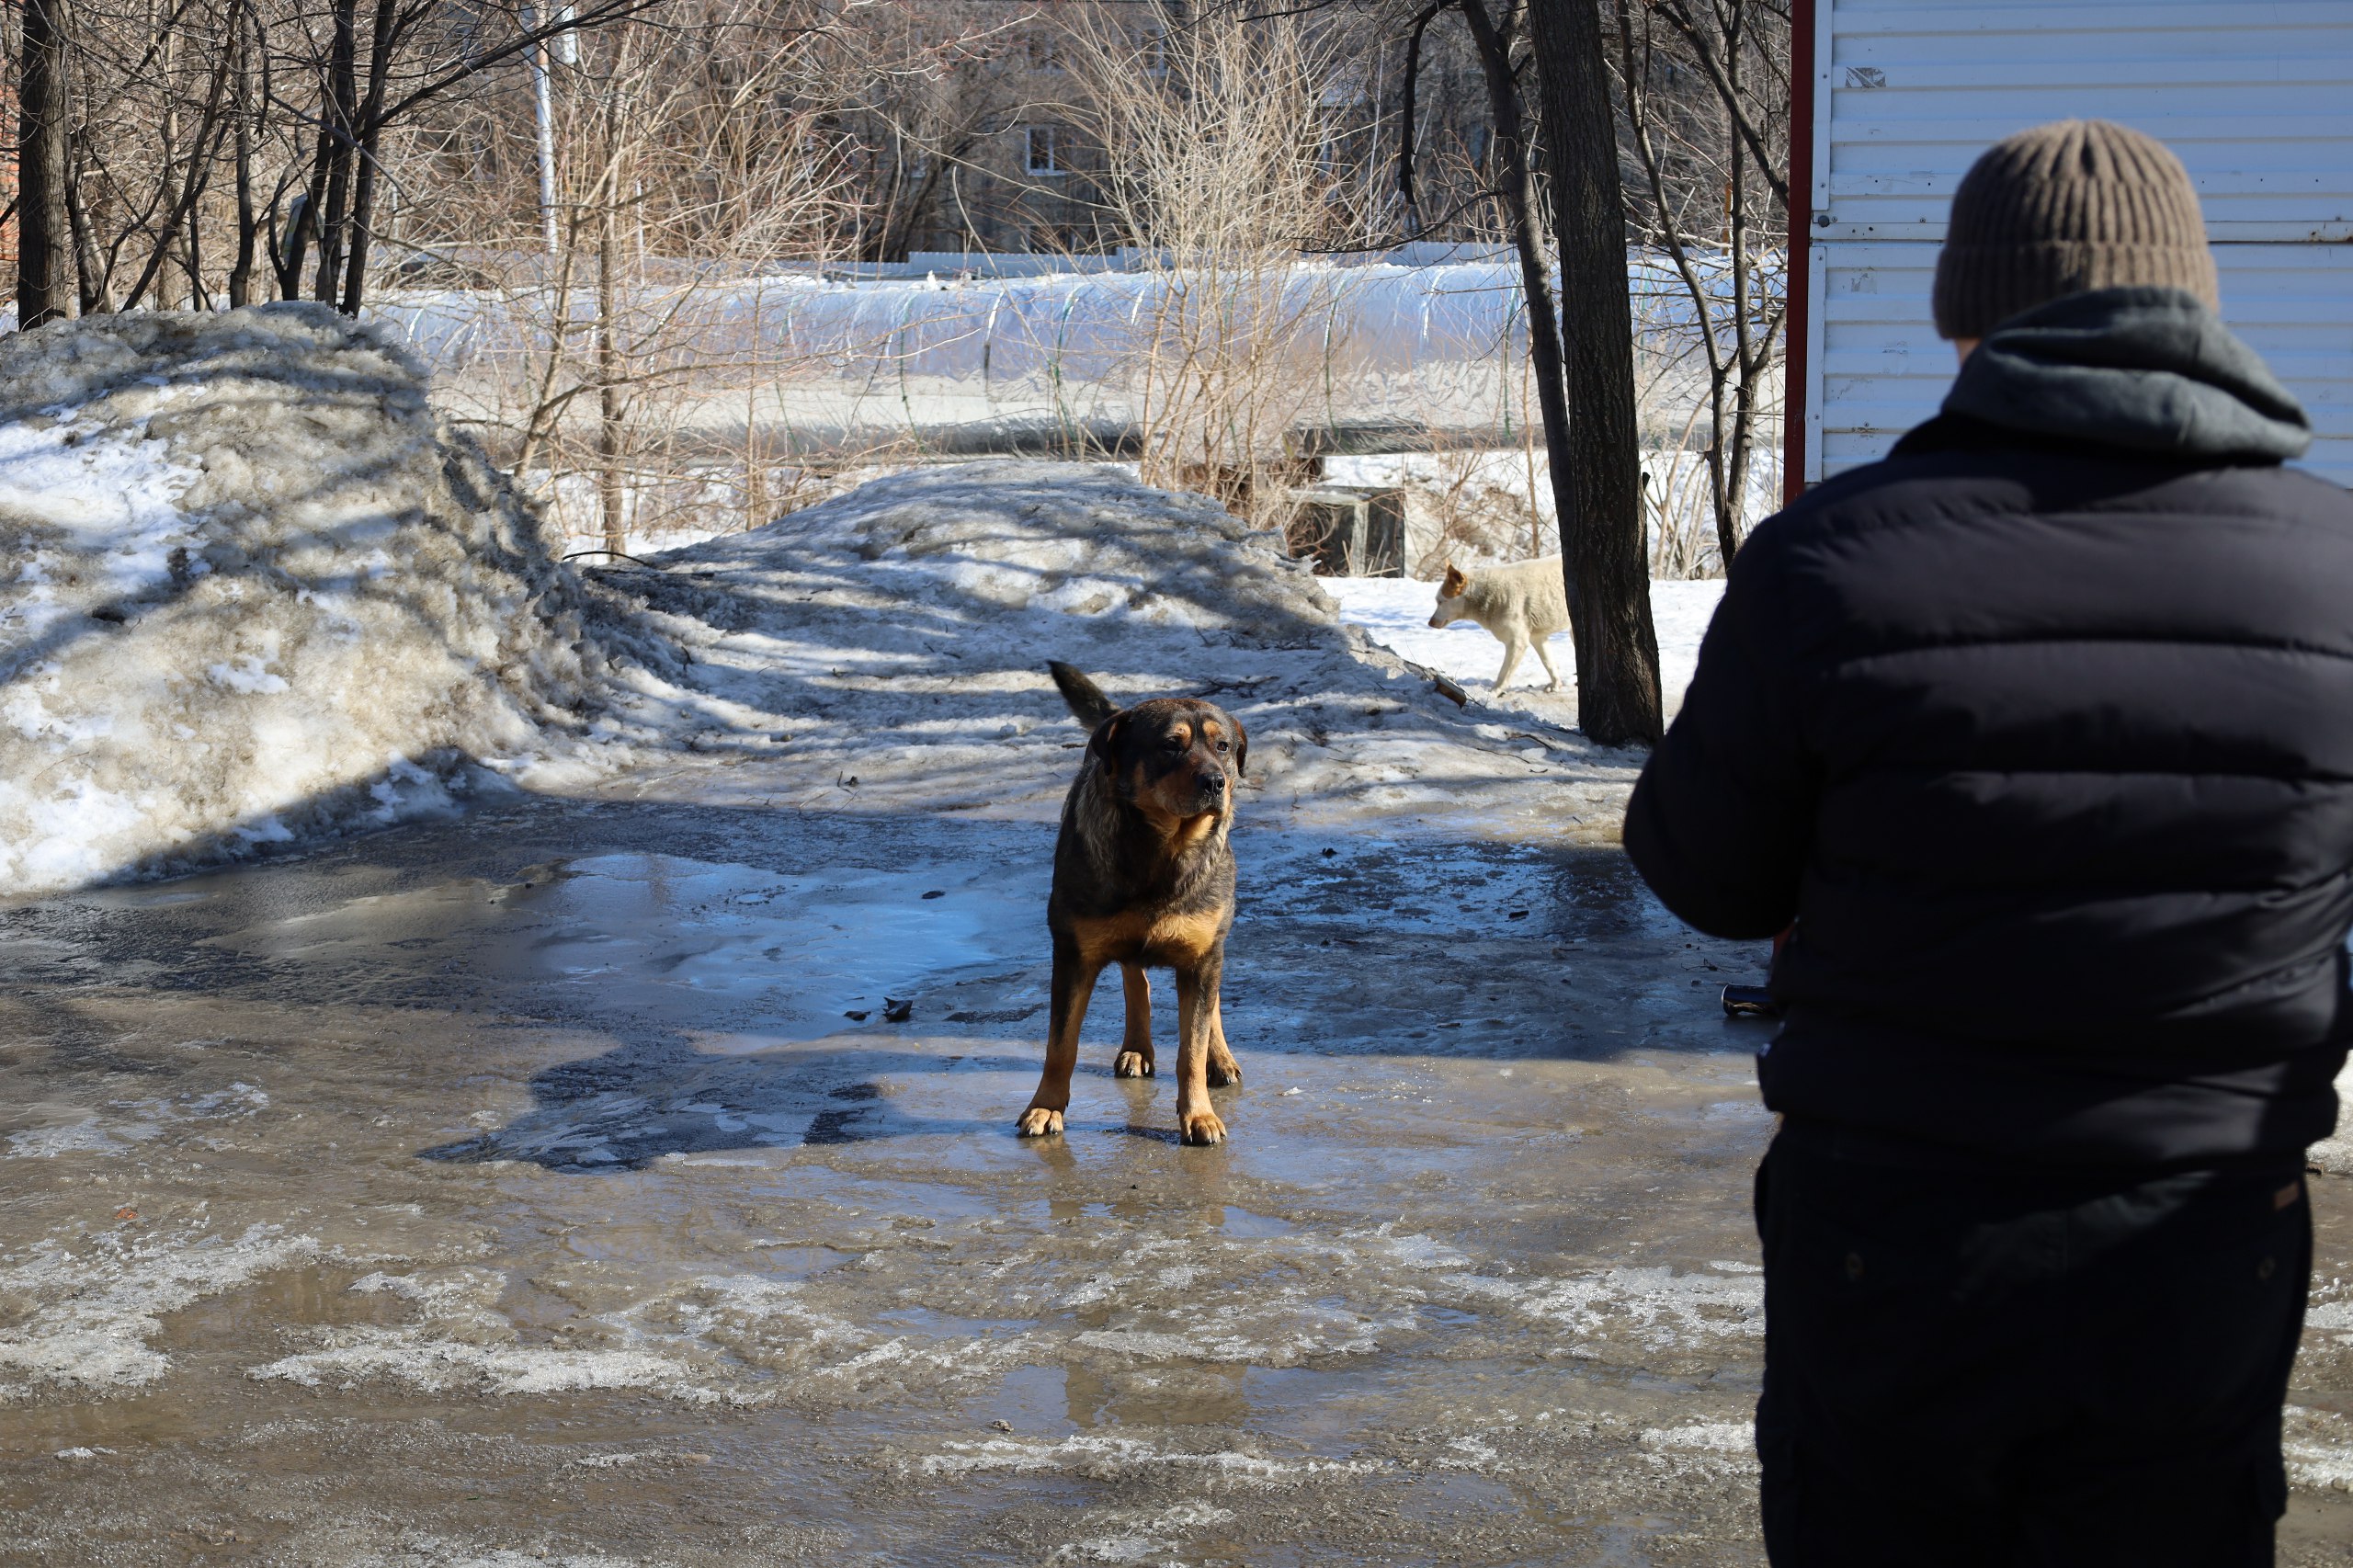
(1513, 648)
(1544, 652)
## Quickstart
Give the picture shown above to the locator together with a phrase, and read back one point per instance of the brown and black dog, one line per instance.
(1143, 878)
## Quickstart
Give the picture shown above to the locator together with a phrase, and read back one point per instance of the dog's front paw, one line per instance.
(1040, 1122)
(1224, 1074)
(1131, 1065)
(1203, 1127)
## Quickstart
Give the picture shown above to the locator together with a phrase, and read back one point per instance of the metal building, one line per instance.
(1893, 99)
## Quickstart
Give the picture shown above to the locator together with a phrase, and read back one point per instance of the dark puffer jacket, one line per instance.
(2041, 733)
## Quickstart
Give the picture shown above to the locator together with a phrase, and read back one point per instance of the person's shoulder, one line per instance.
(2296, 491)
(1897, 486)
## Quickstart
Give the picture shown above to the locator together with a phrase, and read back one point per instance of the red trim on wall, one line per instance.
(1794, 324)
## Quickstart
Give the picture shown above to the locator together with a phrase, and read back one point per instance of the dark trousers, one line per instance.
(1996, 1368)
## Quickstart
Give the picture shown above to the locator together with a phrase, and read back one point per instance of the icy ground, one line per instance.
(544, 1186)
(551, 1182)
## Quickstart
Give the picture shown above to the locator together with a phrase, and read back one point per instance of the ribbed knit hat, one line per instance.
(2063, 207)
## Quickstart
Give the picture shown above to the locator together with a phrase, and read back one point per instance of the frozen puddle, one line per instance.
(518, 1190)
(90, 1307)
(672, 935)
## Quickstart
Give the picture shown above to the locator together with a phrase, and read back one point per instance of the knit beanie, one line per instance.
(2063, 207)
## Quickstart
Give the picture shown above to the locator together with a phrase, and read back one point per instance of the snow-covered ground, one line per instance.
(1395, 612)
(255, 592)
(886, 650)
(262, 594)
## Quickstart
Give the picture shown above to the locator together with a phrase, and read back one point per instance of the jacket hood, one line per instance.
(2146, 369)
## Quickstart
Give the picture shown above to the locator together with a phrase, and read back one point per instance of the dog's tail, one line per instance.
(1085, 699)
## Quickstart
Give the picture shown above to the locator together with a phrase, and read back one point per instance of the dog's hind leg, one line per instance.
(1073, 986)
(1513, 647)
(1135, 1043)
(1544, 655)
(1224, 1070)
(1197, 989)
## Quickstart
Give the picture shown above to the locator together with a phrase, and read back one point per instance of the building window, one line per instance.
(1042, 150)
(1481, 142)
(1156, 51)
(1045, 52)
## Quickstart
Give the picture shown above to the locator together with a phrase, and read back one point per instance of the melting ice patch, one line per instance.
(1702, 1446)
(432, 1551)
(1106, 1458)
(2319, 1450)
(461, 1340)
(97, 1300)
(737, 1339)
(1139, 1535)
(1657, 1306)
(55, 1128)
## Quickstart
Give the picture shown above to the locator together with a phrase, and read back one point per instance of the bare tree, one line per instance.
(619, 373)
(1583, 363)
(169, 146)
(1219, 184)
(44, 225)
(1715, 187)
(1600, 466)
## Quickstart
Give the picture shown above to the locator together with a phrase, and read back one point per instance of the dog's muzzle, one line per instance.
(1210, 791)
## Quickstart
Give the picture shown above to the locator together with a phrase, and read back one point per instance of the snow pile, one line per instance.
(254, 590)
(886, 650)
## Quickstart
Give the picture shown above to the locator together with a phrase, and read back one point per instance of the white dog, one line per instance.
(1522, 604)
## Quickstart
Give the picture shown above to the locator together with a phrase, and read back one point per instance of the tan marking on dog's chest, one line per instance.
(1180, 834)
(1172, 938)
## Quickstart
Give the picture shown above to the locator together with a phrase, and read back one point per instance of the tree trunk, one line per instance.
(331, 215)
(1601, 527)
(609, 370)
(1510, 163)
(241, 274)
(93, 273)
(45, 288)
(371, 134)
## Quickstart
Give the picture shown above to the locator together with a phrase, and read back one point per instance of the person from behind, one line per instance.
(2037, 737)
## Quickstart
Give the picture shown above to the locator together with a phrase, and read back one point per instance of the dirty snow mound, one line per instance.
(886, 650)
(253, 591)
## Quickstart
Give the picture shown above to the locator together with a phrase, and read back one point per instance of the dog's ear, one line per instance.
(1105, 742)
(1241, 746)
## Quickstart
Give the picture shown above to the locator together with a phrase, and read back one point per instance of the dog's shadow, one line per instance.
(660, 1097)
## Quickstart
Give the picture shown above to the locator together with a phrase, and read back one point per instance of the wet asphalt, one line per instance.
(556, 1184)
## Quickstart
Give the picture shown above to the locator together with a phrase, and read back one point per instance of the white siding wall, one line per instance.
(2256, 98)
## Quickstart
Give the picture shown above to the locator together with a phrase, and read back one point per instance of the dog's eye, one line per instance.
(1222, 746)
